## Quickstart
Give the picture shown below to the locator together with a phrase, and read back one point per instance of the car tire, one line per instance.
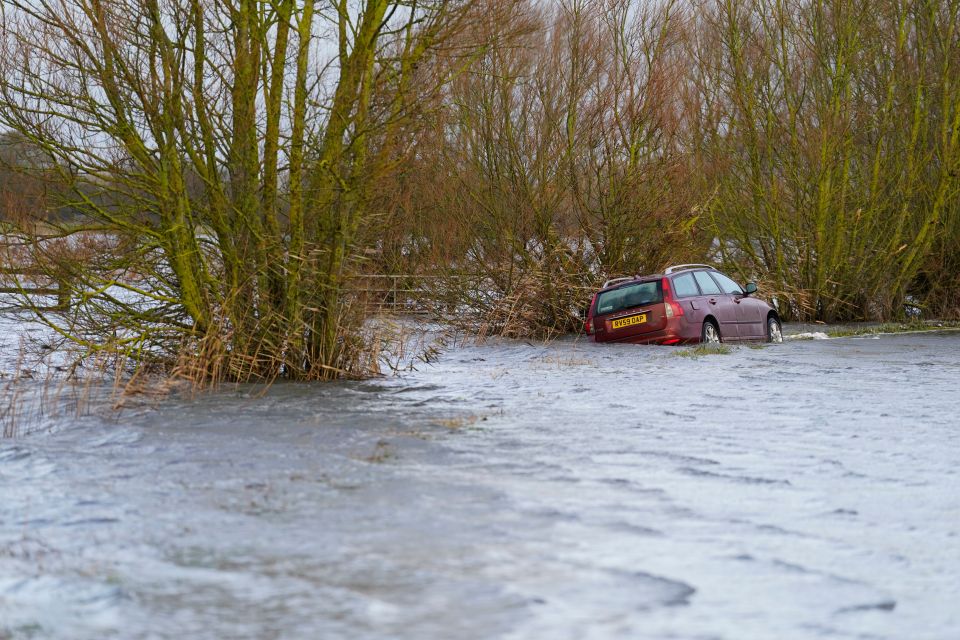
(774, 330)
(710, 333)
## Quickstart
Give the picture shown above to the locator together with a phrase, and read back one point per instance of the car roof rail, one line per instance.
(682, 267)
(616, 280)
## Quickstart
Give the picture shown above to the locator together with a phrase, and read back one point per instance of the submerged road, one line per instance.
(510, 490)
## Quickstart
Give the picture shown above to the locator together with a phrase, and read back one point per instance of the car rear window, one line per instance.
(685, 286)
(628, 296)
(707, 285)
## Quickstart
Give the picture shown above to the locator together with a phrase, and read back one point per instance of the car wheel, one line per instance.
(774, 330)
(710, 334)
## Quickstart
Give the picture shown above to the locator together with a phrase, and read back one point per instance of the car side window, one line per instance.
(684, 285)
(707, 285)
(728, 285)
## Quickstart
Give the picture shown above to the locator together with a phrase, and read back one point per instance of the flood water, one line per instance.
(509, 490)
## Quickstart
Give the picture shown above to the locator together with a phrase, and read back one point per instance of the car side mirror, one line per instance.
(750, 289)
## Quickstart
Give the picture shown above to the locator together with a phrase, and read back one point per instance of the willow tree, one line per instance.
(558, 162)
(830, 133)
(225, 148)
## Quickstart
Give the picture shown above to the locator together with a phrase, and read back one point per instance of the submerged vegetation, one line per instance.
(892, 327)
(703, 350)
(211, 181)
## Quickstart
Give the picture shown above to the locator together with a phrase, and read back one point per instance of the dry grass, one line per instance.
(34, 398)
(539, 300)
(49, 384)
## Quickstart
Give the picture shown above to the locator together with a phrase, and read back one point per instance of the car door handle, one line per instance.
(713, 301)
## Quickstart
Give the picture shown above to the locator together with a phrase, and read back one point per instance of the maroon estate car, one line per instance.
(686, 303)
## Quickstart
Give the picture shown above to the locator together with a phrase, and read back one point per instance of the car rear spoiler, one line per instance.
(616, 280)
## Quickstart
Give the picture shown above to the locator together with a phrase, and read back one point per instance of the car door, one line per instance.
(687, 293)
(719, 305)
(755, 316)
(749, 321)
(694, 305)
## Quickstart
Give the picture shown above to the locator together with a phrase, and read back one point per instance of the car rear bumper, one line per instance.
(676, 332)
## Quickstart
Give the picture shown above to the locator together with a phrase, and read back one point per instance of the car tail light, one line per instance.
(671, 307)
(588, 323)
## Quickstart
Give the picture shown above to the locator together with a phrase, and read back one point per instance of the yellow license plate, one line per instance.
(628, 321)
